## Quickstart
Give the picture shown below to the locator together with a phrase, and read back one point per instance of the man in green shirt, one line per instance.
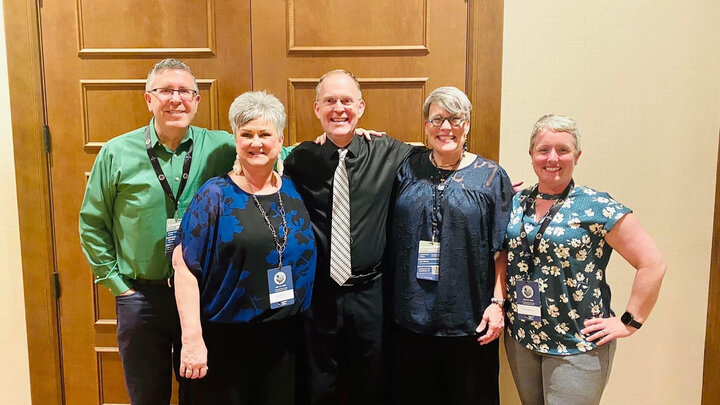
(140, 186)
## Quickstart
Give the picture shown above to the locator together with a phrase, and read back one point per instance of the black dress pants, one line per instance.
(248, 364)
(452, 370)
(147, 329)
(344, 335)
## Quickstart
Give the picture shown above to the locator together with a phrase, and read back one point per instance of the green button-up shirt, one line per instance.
(124, 213)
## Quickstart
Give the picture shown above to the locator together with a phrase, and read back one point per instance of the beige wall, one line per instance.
(643, 81)
(14, 375)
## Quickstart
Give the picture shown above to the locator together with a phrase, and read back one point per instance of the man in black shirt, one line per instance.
(344, 325)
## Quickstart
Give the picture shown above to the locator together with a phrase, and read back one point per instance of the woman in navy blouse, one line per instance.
(450, 215)
(244, 267)
(561, 331)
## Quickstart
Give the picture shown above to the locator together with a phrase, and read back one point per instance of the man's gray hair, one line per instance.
(168, 64)
(451, 99)
(338, 71)
(556, 123)
(254, 105)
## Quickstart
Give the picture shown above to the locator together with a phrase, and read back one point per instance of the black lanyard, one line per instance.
(527, 254)
(159, 172)
(279, 246)
(438, 193)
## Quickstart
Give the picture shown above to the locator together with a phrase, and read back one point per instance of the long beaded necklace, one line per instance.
(279, 246)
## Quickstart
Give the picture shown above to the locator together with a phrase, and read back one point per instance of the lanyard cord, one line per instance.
(161, 176)
(438, 193)
(279, 246)
(528, 255)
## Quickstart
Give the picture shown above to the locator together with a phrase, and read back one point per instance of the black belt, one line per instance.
(360, 279)
(139, 282)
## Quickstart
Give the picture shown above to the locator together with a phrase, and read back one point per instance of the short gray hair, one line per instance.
(451, 99)
(337, 71)
(254, 105)
(556, 123)
(168, 64)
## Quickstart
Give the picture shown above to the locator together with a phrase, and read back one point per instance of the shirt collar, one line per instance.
(330, 150)
(184, 144)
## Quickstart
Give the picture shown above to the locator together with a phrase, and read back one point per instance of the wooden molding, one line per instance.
(349, 50)
(365, 83)
(139, 84)
(484, 75)
(100, 53)
(409, 50)
(22, 34)
(711, 372)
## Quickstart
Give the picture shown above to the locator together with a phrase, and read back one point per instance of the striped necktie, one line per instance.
(340, 263)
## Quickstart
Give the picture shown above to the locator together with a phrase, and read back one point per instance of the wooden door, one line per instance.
(96, 58)
(399, 51)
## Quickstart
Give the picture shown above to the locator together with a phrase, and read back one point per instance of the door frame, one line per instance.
(711, 373)
(32, 163)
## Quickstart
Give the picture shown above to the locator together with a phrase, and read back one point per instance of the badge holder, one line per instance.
(280, 285)
(428, 263)
(171, 233)
(528, 301)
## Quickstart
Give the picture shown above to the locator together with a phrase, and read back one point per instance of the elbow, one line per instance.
(657, 268)
(662, 268)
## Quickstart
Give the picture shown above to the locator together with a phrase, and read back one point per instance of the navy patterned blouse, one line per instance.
(569, 268)
(474, 211)
(229, 248)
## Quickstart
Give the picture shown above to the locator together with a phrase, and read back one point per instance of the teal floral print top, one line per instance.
(569, 269)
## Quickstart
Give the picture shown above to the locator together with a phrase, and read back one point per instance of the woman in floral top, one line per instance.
(561, 330)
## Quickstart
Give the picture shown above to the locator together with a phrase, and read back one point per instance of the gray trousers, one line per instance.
(577, 379)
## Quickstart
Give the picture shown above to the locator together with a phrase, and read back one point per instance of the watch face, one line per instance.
(626, 318)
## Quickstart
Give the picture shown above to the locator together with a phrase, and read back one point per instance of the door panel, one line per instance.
(399, 51)
(96, 59)
(342, 22)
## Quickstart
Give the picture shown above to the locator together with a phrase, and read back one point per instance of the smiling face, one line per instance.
(173, 113)
(554, 157)
(339, 107)
(445, 139)
(257, 144)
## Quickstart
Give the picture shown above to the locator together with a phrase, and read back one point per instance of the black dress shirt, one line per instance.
(371, 166)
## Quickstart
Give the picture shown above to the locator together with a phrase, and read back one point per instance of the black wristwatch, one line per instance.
(628, 319)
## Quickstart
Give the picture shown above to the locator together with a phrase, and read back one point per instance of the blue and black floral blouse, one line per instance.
(569, 268)
(229, 248)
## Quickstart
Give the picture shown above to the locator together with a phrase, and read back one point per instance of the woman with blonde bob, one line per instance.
(561, 331)
(244, 270)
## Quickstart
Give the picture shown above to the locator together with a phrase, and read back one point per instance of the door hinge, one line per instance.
(56, 284)
(46, 138)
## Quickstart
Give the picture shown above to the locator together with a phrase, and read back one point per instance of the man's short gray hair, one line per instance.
(338, 71)
(451, 99)
(254, 105)
(168, 64)
(556, 123)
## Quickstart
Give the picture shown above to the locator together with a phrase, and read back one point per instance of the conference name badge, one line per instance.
(528, 301)
(171, 231)
(428, 263)
(280, 286)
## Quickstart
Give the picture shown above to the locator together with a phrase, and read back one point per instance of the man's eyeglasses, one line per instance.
(454, 121)
(166, 94)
